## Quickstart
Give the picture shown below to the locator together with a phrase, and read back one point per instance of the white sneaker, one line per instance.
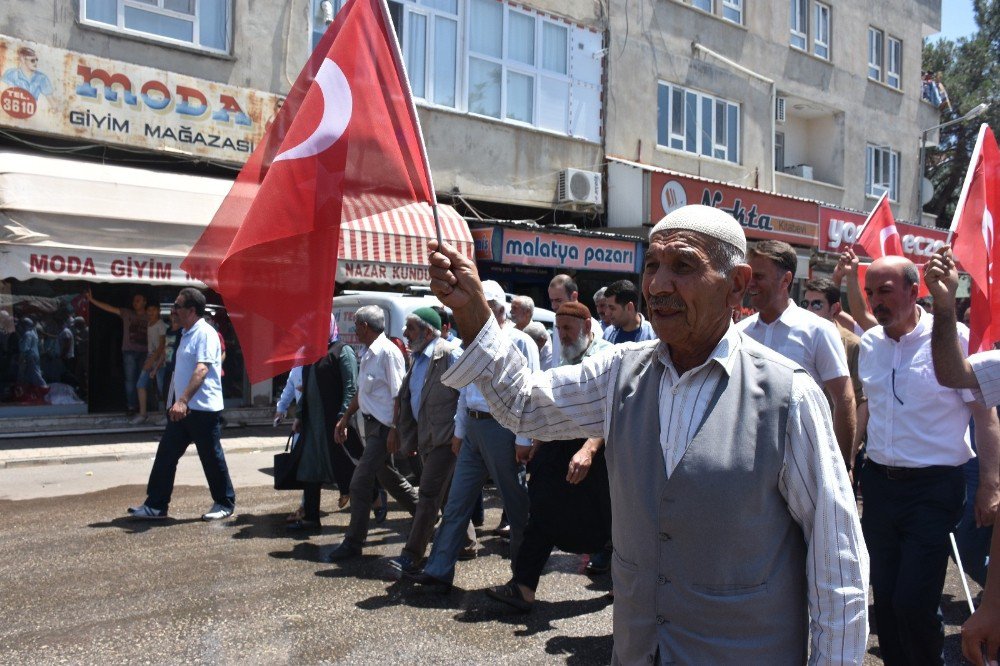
(138, 419)
(217, 512)
(143, 512)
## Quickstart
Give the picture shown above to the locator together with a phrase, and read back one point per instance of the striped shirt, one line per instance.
(576, 401)
(986, 365)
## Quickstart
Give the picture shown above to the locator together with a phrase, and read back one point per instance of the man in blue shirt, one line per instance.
(26, 74)
(195, 416)
(622, 308)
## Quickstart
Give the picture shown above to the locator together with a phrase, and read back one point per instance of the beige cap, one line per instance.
(704, 220)
(493, 292)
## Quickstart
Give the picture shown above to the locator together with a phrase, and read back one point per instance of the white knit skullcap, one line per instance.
(704, 220)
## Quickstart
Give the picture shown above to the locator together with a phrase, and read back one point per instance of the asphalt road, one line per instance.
(81, 583)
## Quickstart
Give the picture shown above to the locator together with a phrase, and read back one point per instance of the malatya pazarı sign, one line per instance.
(58, 92)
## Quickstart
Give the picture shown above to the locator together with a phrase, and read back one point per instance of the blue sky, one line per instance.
(956, 19)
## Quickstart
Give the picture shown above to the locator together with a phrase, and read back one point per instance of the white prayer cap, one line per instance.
(493, 291)
(704, 220)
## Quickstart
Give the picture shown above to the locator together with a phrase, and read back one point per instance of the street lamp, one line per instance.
(975, 112)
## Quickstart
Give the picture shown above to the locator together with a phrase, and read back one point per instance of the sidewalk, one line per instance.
(139, 443)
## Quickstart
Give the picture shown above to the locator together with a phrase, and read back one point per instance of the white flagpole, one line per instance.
(397, 54)
(961, 572)
(968, 180)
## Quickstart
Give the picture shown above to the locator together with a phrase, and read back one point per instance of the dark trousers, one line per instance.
(342, 457)
(205, 430)
(906, 523)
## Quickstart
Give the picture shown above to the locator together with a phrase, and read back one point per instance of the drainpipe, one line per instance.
(696, 48)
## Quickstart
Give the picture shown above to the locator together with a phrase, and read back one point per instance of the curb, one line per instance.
(85, 458)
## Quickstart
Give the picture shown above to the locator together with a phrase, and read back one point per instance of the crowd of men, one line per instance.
(712, 466)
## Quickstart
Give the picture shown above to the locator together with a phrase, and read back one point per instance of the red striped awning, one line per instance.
(396, 237)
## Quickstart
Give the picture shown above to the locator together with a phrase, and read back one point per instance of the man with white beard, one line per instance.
(568, 483)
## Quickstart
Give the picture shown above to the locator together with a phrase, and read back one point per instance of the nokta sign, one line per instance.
(839, 230)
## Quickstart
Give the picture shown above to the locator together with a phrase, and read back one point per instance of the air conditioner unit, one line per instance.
(577, 186)
(801, 170)
(779, 109)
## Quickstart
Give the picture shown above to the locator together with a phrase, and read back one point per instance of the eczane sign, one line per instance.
(839, 229)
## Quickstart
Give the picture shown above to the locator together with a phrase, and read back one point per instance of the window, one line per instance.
(875, 40)
(697, 123)
(882, 172)
(810, 27)
(800, 23)
(779, 151)
(732, 10)
(704, 5)
(821, 30)
(885, 58)
(894, 63)
(204, 24)
(322, 15)
(518, 66)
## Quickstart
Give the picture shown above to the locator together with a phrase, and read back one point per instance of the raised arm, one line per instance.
(102, 305)
(847, 269)
(951, 368)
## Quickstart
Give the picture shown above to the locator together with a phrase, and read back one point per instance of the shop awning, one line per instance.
(66, 219)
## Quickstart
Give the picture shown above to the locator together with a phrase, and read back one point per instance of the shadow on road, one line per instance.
(133, 526)
(483, 609)
(581, 650)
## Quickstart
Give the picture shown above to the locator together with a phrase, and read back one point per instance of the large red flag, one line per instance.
(879, 237)
(975, 242)
(345, 145)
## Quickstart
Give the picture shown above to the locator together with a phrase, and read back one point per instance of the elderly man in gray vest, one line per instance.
(734, 525)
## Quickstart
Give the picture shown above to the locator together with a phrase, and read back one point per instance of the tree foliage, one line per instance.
(970, 71)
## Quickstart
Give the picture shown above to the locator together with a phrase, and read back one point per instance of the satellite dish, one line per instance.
(926, 191)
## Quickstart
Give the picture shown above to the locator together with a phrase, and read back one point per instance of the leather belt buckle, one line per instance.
(479, 416)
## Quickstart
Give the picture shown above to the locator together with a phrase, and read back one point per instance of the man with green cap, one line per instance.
(425, 424)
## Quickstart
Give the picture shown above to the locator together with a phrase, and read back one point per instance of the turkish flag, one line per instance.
(345, 145)
(975, 243)
(879, 238)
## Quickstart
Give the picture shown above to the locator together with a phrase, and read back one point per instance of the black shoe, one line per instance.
(303, 525)
(429, 583)
(467, 553)
(345, 551)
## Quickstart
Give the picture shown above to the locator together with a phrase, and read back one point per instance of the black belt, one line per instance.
(479, 416)
(903, 473)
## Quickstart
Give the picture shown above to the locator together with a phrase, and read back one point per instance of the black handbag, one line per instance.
(286, 467)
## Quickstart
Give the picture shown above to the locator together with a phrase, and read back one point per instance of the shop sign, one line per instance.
(24, 262)
(53, 91)
(532, 248)
(378, 272)
(483, 240)
(839, 230)
(762, 215)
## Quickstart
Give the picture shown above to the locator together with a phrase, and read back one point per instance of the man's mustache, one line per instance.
(666, 303)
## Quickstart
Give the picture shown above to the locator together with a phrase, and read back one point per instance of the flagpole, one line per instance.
(968, 181)
(869, 218)
(397, 54)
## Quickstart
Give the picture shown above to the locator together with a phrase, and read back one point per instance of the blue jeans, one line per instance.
(487, 450)
(132, 362)
(205, 430)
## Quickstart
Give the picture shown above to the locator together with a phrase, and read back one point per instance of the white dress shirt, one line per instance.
(576, 401)
(913, 421)
(379, 377)
(292, 390)
(803, 337)
(469, 397)
(986, 365)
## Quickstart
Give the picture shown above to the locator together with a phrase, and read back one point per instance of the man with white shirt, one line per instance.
(914, 486)
(799, 335)
(380, 375)
(979, 372)
(734, 525)
(485, 449)
(195, 416)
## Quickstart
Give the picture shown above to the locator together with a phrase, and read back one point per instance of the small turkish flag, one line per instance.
(345, 145)
(976, 245)
(879, 237)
